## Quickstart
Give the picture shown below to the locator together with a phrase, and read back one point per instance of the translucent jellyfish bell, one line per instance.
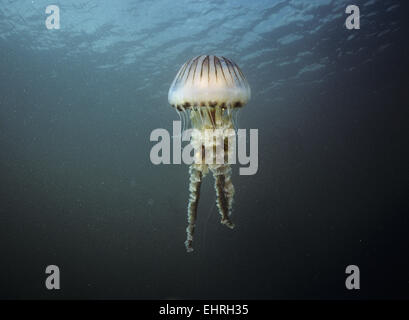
(207, 89)
(209, 81)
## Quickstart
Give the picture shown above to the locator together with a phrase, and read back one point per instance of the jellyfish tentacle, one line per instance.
(194, 196)
(224, 192)
(202, 119)
(209, 115)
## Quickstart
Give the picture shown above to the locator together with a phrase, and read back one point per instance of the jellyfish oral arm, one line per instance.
(224, 196)
(194, 196)
(224, 193)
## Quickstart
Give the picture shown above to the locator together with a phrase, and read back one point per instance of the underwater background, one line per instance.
(78, 189)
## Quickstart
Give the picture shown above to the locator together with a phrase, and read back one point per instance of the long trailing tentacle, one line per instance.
(224, 193)
(194, 196)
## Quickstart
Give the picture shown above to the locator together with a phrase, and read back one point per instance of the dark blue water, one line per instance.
(78, 189)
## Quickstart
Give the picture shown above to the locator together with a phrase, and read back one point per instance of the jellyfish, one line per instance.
(207, 92)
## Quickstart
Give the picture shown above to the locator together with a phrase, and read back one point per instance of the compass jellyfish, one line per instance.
(207, 92)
